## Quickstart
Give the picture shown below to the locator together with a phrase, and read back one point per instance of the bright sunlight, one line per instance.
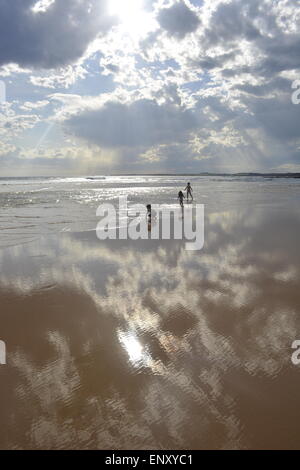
(134, 20)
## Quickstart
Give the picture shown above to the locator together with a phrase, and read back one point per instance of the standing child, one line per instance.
(189, 191)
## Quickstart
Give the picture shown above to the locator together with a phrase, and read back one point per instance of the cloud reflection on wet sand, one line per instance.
(145, 345)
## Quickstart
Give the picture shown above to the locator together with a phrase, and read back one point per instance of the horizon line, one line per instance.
(207, 173)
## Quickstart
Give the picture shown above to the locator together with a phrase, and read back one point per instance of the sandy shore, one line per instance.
(138, 345)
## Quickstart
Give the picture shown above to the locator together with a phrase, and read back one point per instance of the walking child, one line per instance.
(181, 198)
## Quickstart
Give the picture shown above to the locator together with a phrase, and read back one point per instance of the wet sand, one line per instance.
(143, 345)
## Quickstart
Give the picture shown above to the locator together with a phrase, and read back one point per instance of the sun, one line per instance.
(134, 20)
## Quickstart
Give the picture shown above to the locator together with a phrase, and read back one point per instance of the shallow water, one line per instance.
(138, 345)
(31, 207)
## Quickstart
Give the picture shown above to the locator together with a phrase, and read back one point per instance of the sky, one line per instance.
(93, 87)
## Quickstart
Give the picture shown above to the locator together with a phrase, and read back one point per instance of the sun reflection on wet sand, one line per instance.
(133, 348)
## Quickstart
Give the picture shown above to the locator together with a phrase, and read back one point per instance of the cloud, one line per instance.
(218, 99)
(279, 118)
(178, 20)
(52, 35)
(29, 106)
(232, 21)
(141, 123)
(173, 311)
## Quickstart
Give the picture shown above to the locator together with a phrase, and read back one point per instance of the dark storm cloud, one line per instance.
(178, 20)
(142, 123)
(49, 39)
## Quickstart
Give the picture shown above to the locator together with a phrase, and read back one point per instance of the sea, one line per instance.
(35, 206)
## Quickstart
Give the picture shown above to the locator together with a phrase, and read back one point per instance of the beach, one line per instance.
(123, 344)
